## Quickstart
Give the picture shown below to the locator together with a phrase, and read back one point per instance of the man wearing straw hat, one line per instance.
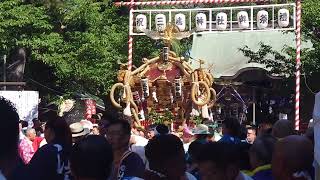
(78, 131)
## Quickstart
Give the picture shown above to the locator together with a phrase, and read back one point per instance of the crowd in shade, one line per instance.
(113, 149)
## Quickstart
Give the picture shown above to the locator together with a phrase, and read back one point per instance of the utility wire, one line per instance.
(55, 91)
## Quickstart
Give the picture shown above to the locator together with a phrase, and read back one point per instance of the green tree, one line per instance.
(284, 63)
(81, 41)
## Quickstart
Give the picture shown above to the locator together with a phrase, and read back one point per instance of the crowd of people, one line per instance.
(114, 150)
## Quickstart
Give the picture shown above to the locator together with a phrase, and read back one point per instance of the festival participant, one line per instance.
(261, 156)
(91, 158)
(9, 131)
(26, 148)
(161, 129)
(137, 144)
(192, 157)
(187, 138)
(265, 127)
(219, 160)
(127, 164)
(282, 128)
(201, 133)
(165, 154)
(78, 131)
(292, 158)
(230, 131)
(95, 129)
(50, 162)
(22, 125)
(251, 134)
(32, 136)
(150, 131)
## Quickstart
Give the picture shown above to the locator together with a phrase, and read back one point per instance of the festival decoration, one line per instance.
(141, 22)
(221, 21)
(166, 83)
(243, 20)
(160, 20)
(180, 21)
(283, 18)
(262, 19)
(201, 22)
(184, 2)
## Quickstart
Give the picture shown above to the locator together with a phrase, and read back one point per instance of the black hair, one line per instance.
(163, 147)
(254, 128)
(92, 157)
(23, 123)
(151, 127)
(220, 153)
(233, 125)
(201, 136)
(122, 120)
(243, 155)
(162, 129)
(62, 132)
(263, 148)
(194, 149)
(9, 129)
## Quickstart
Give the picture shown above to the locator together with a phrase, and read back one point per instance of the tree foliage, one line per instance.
(283, 63)
(80, 40)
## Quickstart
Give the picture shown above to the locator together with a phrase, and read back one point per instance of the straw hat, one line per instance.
(78, 130)
(201, 129)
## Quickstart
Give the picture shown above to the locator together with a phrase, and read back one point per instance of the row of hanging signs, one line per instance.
(221, 21)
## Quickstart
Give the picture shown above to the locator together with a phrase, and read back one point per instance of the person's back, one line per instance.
(51, 161)
(292, 158)
(260, 157)
(165, 154)
(230, 131)
(219, 160)
(282, 128)
(9, 131)
(91, 158)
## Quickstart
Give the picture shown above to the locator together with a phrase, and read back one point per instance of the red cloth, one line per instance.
(36, 143)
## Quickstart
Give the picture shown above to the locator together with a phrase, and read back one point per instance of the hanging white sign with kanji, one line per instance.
(180, 21)
(221, 21)
(160, 22)
(243, 20)
(201, 22)
(262, 19)
(283, 18)
(141, 22)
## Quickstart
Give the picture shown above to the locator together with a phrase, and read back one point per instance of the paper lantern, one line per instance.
(180, 21)
(201, 22)
(221, 21)
(262, 19)
(283, 17)
(243, 20)
(141, 22)
(160, 22)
